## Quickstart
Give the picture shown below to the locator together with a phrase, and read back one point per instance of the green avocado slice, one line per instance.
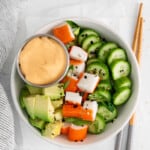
(29, 103)
(43, 108)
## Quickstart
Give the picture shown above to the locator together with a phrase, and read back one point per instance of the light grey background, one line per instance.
(121, 16)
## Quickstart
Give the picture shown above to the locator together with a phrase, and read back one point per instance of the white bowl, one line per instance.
(125, 112)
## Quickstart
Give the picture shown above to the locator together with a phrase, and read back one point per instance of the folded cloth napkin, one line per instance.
(8, 29)
(6, 123)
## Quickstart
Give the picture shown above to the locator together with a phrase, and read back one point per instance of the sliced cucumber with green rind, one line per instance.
(75, 28)
(100, 95)
(105, 49)
(120, 68)
(100, 69)
(97, 126)
(85, 33)
(93, 49)
(105, 84)
(106, 113)
(121, 96)
(122, 82)
(91, 60)
(89, 40)
(116, 53)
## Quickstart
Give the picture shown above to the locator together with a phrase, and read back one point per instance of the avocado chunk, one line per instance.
(58, 115)
(38, 123)
(34, 90)
(23, 93)
(57, 103)
(52, 129)
(29, 103)
(54, 92)
(43, 108)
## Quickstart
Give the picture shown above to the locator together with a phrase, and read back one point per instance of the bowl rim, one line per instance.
(56, 40)
(107, 27)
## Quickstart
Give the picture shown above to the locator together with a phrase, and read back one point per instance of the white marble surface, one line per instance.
(121, 16)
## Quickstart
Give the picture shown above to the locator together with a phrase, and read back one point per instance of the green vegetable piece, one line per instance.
(85, 33)
(105, 49)
(33, 89)
(105, 84)
(54, 92)
(122, 82)
(52, 129)
(38, 123)
(100, 69)
(77, 121)
(75, 28)
(120, 68)
(89, 40)
(121, 96)
(23, 93)
(97, 126)
(108, 112)
(43, 108)
(100, 95)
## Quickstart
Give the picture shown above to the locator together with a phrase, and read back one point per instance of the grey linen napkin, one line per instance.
(8, 29)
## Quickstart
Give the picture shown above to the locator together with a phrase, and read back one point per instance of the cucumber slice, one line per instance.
(100, 95)
(85, 33)
(89, 40)
(93, 60)
(93, 49)
(116, 53)
(106, 113)
(120, 68)
(99, 69)
(122, 82)
(121, 96)
(104, 50)
(97, 126)
(105, 84)
(75, 28)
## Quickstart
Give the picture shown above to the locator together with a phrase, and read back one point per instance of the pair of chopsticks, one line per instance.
(137, 48)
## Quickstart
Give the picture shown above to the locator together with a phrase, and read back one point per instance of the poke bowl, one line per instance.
(95, 99)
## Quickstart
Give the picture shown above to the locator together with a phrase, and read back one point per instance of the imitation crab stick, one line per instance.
(73, 97)
(86, 112)
(88, 82)
(65, 128)
(70, 110)
(64, 33)
(71, 83)
(78, 53)
(79, 66)
(77, 133)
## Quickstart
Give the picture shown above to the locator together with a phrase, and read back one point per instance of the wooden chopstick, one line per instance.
(138, 56)
(136, 33)
(137, 47)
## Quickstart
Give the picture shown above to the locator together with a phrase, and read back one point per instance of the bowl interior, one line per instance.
(125, 111)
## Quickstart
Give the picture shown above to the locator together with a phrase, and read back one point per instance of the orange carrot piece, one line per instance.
(77, 133)
(64, 33)
(72, 84)
(69, 110)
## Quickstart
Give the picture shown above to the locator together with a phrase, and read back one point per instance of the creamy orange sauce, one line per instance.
(42, 60)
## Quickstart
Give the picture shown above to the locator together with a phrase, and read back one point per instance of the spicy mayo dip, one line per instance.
(42, 60)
